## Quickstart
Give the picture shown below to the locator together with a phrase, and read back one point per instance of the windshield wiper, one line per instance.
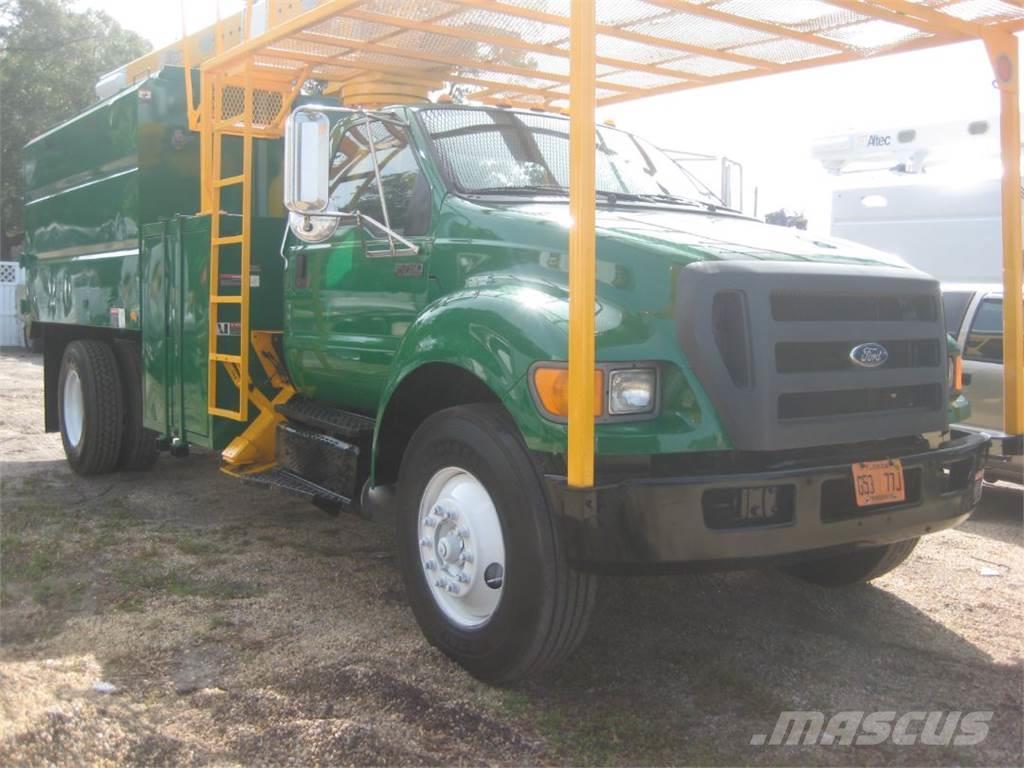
(540, 189)
(673, 199)
(611, 197)
(525, 189)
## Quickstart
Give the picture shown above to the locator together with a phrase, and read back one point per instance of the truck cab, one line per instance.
(763, 397)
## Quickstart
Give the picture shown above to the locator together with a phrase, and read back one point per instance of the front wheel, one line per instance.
(481, 559)
(853, 567)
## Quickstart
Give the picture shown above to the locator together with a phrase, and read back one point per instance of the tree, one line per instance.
(51, 57)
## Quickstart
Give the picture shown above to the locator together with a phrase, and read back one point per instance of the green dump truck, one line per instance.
(388, 291)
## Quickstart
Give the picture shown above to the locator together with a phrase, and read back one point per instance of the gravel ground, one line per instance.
(180, 617)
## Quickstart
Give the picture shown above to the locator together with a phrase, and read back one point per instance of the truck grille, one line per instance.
(772, 345)
(817, 356)
(790, 306)
(838, 402)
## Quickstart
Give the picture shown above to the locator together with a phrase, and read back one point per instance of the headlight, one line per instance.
(617, 392)
(632, 391)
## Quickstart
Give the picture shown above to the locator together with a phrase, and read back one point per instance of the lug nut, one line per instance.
(424, 542)
(440, 583)
(464, 533)
(430, 565)
(453, 588)
(429, 521)
(463, 578)
(467, 557)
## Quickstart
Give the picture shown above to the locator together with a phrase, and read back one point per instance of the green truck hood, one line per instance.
(697, 235)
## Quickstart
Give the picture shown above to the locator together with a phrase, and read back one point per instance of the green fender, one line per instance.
(495, 330)
(497, 327)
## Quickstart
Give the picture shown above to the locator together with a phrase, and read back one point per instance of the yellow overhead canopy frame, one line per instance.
(577, 55)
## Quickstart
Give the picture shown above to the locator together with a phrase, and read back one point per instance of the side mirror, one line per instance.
(307, 159)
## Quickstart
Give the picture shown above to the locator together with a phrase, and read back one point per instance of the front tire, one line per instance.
(854, 567)
(91, 406)
(478, 543)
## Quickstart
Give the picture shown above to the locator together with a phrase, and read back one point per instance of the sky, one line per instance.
(768, 124)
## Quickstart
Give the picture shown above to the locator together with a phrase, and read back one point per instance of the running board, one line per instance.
(353, 427)
(290, 483)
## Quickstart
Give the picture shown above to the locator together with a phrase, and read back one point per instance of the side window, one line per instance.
(354, 187)
(954, 304)
(985, 340)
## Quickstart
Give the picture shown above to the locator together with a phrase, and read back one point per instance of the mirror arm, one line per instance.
(359, 218)
(392, 235)
(380, 184)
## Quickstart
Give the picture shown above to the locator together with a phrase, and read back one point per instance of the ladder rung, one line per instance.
(230, 181)
(225, 413)
(225, 299)
(233, 240)
(223, 358)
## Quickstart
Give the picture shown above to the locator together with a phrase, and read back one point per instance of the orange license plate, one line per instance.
(879, 482)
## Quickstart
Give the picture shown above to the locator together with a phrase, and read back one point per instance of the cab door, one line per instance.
(352, 298)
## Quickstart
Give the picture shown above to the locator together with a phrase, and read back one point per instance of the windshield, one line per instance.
(497, 150)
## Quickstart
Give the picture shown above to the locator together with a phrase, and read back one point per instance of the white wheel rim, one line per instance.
(74, 411)
(462, 550)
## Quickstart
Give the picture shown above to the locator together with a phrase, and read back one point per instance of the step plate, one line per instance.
(351, 426)
(296, 486)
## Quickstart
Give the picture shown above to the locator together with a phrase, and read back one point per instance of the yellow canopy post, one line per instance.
(582, 243)
(1004, 52)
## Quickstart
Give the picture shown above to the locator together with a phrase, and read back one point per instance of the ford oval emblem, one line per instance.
(870, 355)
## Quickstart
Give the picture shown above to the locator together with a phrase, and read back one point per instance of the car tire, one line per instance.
(139, 450)
(468, 479)
(90, 401)
(853, 567)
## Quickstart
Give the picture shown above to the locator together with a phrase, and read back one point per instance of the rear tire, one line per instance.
(853, 567)
(91, 405)
(519, 608)
(139, 449)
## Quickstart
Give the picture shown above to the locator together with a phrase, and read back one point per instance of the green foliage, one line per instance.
(50, 59)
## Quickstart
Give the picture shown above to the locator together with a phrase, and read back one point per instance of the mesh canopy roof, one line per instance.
(516, 52)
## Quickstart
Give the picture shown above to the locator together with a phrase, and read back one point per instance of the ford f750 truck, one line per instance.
(390, 295)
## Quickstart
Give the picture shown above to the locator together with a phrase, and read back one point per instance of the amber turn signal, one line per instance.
(552, 388)
(956, 374)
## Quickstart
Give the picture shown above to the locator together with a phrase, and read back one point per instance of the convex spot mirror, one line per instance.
(307, 157)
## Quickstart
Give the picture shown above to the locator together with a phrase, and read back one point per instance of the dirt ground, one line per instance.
(179, 617)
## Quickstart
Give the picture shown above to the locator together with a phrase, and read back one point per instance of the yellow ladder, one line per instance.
(221, 245)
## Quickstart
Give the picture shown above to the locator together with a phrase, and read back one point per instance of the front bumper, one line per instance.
(687, 521)
(1005, 457)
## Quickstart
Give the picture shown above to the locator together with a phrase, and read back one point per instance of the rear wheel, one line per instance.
(483, 566)
(854, 567)
(139, 449)
(91, 405)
